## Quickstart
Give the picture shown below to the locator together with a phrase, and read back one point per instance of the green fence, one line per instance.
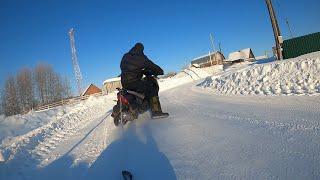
(301, 45)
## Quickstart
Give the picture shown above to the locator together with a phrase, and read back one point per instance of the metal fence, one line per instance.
(301, 45)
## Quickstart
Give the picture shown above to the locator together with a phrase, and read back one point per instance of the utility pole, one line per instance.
(214, 49)
(75, 63)
(276, 30)
(212, 42)
(210, 58)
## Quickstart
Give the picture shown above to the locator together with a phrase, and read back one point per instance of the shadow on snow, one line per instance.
(129, 152)
(142, 159)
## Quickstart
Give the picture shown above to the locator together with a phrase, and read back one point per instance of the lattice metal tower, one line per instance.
(75, 63)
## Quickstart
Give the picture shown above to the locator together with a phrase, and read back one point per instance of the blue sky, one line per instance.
(173, 32)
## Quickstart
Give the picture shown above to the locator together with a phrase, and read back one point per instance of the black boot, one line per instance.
(156, 111)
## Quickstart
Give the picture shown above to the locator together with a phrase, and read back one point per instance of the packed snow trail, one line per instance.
(219, 137)
(69, 140)
(240, 137)
(205, 137)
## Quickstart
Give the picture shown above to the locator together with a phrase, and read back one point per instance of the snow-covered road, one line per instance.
(206, 137)
(240, 137)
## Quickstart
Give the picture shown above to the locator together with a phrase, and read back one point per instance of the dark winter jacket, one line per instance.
(135, 63)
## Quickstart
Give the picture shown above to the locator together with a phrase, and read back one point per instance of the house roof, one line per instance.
(112, 80)
(91, 85)
(205, 58)
(242, 54)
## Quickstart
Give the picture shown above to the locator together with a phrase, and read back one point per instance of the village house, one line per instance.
(90, 90)
(210, 59)
(240, 56)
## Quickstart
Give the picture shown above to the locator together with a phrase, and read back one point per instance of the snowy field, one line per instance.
(208, 135)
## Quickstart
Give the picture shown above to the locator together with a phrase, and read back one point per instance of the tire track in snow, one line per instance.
(45, 150)
(39, 147)
(96, 140)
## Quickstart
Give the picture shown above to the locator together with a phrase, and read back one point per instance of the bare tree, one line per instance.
(50, 86)
(11, 103)
(45, 80)
(40, 82)
(61, 87)
(30, 88)
(25, 89)
(55, 87)
(66, 87)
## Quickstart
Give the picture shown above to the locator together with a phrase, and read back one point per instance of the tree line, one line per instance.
(31, 88)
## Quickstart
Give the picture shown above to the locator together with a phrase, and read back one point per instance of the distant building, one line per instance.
(208, 60)
(261, 57)
(111, 85)
(91, 89)
(241, 56)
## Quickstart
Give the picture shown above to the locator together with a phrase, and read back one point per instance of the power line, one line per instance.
(284, 17)
(212, 43)
(287, 22)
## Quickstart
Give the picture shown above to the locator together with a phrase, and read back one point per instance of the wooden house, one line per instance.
(241, 56)
(207, 60)
(91, 89)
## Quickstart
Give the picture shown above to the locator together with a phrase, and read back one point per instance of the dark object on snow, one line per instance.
(130, 104)
(156, 111)
(134, 64)
(127, 175)
(147, 86)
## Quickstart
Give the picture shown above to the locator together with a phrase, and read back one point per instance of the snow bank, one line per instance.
(213, 69)
(42, 140)
(193, 73)
(169, 83)
(298, 76)
(17, 125)
(20, 124)
(185, 76)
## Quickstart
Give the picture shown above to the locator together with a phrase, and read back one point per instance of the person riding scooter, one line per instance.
(134, 65)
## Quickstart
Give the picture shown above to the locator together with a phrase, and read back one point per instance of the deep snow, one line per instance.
(17, 125)
(207, 136)
(289, 77)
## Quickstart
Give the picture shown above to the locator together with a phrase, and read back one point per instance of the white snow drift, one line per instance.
(289, 77)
